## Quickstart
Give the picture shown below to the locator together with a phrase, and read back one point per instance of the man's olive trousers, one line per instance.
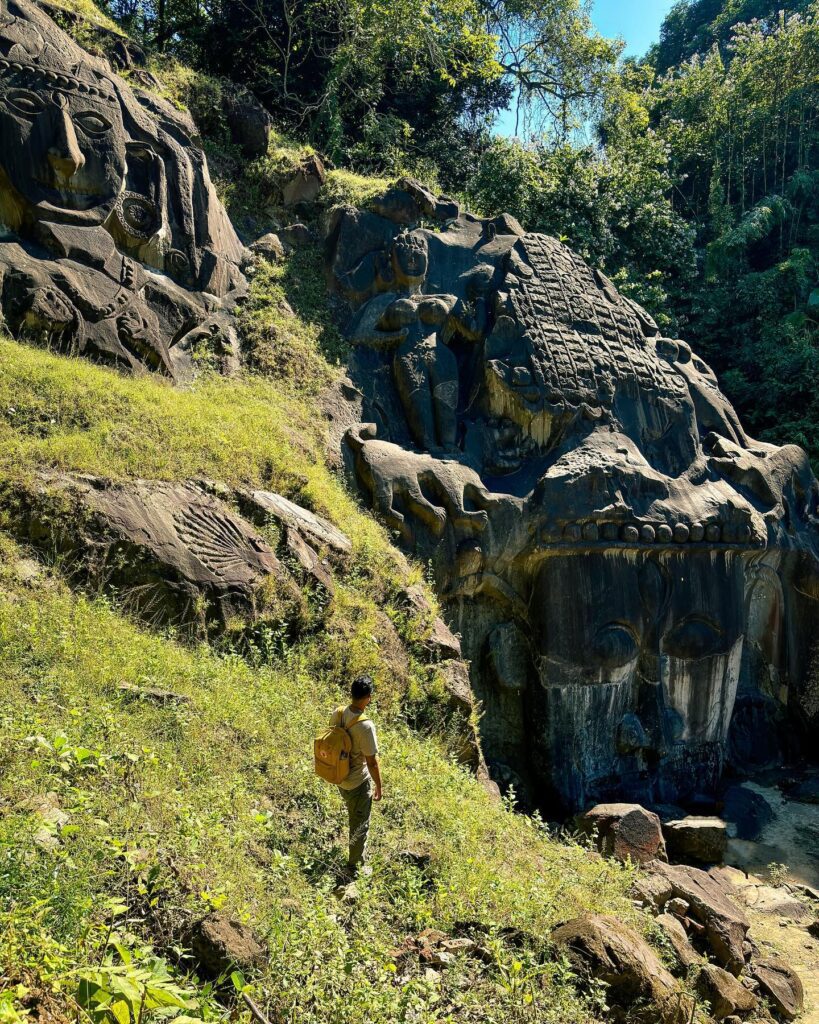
(359, 803)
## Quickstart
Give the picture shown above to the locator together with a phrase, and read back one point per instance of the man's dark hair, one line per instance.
(362, 687)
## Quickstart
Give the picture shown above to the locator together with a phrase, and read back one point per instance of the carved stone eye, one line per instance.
(178, 261)
(614, 646)
(693, 638)
(25, 102)
(92, 122)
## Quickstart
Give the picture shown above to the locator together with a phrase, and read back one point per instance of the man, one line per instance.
(363, 784)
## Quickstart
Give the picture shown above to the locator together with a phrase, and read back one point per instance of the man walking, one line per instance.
(363, 783)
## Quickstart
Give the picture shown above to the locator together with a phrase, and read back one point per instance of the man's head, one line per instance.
(362, 690)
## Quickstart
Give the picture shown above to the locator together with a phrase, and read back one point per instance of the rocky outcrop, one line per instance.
(715, 921)
(699, 914)
(587, 498)
(172, 552)
(624, 831)
(115, 244)
(603, 948)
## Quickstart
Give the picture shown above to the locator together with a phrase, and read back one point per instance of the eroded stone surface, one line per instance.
(173, 552)
(115, 245)
(588, 498)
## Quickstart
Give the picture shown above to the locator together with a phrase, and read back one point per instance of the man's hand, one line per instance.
(375, 771)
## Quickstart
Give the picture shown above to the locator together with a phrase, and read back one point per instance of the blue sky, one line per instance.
(637, 22)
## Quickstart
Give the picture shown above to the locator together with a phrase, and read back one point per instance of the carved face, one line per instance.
(62, 150)
(638, 669)
(410, 259)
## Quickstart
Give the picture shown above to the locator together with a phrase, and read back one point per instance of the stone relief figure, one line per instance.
(597, 519)
(414, 326)
(114, 243)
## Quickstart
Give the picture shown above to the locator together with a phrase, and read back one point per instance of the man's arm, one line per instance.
(375, 771)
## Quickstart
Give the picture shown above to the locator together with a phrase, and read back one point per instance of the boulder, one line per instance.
(781, 985)
(724, 925)
(684, 952)
(624, 831)
(314, 528)
(269, 246)
(296, 234)
(219, 944)
(441, 642)
(305, 184)
(724, 993)
(603, 948)
(248, 122)
(748, 811)
(702, 840)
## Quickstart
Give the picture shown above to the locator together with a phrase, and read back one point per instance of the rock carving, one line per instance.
(112, 241)
(634, 579)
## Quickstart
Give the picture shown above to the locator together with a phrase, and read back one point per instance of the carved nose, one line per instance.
(64, 154)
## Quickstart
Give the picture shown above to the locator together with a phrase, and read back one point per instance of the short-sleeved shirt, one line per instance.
(365, 744)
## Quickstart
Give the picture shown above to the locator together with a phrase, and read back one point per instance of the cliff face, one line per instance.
(635, 579)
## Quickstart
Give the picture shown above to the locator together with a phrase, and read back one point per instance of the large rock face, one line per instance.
(634, 579)
(113, 241)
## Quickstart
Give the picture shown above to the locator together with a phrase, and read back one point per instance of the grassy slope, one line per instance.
(174, 810)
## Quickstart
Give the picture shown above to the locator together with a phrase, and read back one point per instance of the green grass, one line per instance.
(175, 810)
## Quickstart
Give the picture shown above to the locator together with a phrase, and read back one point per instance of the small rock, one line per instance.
(442, 642)
(219, 943)
(297, 234)
(269, 246)
(806, 792)
(624, 831)
(696, 839)
(459, 946)
(781, 984)
(678, 907)
(309, 560)
(306, 183)
(153, 693)
(813, 929)
(46, 840)
(725, 994)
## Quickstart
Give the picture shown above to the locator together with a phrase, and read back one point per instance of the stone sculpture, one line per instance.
(634, 579)
(112, 241)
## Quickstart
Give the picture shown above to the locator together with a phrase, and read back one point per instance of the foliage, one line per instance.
(213, 802)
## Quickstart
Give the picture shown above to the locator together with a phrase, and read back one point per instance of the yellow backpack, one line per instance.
(332, 749)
